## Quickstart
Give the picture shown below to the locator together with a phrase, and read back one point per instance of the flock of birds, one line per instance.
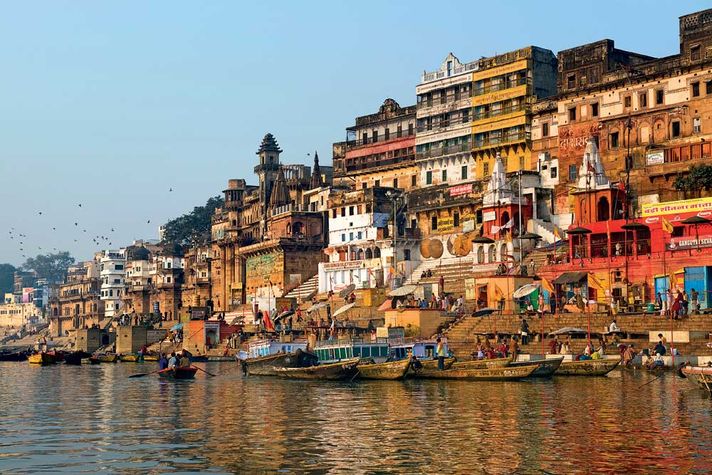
(102, 240)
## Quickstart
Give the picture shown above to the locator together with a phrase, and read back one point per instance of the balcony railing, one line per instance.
(499, 141)
(380, 138)
(342, 166)
(498, 112)
(500, 86)
(442, 151)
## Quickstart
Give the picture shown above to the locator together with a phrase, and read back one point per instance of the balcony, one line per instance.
(501, 86)
(508, 139)
(381, 139)
(498, 112)
(443, 151)
(341, 166)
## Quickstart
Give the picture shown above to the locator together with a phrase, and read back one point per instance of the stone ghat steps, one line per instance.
(463, 334)
(306, 290)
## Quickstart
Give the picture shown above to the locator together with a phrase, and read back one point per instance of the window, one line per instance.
(463, 172)
(395, 183)
(386, 134)
(627, 101)
(351, 210)
(374, 134)
(696, 125)
(333, 211)
(553, 172)
(659, 97)
(364, 185)
(643, 99)
(695, 89)
(429, 177)
(571, 81)
(364, 137)
(572, 113)
(399, 131)
(343, 237)
(351, 236)
(406, 254)
(377, 183)
(413, 180)
(545, 129)
(708, 87)
(456, 219)
(676, 129)
(410, 129)
(444, 175)
(521, 163)
(434, 223)
(695, 53)
(117, 281)
(594, 110)
(613, 140)
(343, 211)
(573, 172)
(359, 235)
(485, 170)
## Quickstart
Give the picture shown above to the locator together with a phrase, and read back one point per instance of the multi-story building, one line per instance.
(112, 272)
(379, 150)
(166, 272)
(361, 245)
(195, 291)
(78, 302)
(138, 281)
(266, 240)
(18, 314)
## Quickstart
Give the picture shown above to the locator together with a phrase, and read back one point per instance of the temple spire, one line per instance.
(316, 172)
(280, 193)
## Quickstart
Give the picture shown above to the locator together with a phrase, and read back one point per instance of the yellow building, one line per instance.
(503, 90)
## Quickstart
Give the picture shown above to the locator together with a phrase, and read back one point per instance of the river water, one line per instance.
(89, 419)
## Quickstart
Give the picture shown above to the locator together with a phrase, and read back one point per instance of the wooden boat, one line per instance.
(107, 358)
(267, 365)
(151, 357)
(544, 368)
(481, 364)
(390, 370)
(185, 372)
(587, 367)
(428, 365)
(131, 358)
(699, 375)
(75, 357)
(41, 358)
(13, 355)
(343, 370)
(91, 360)
(505, 373)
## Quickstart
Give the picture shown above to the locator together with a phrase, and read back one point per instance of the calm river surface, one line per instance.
(88, 419)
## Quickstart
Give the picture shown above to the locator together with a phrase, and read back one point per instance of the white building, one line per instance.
(112, 272)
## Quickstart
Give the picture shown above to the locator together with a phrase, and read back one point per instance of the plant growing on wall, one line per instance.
(698, 179)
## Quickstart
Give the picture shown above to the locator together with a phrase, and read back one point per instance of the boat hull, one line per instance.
(13, 356)
(75, 358)
(700, 376)
(187, 372)
(587, 367)
(341, 371)
(544, 368)
(130, 358)
(150, 358)
(42, 359)
(481, 364)
(107, 358)
(391, 370)
(268, 365)
(506, 373)
(426, 366)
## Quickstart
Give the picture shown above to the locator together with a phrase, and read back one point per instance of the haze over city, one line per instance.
(112, 106)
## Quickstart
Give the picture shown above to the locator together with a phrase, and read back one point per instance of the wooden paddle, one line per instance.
(200, 369)
(141, 375)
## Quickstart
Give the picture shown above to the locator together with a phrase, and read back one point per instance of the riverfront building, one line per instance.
(112, 267)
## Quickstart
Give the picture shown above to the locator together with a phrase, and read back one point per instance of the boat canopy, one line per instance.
(403, 291)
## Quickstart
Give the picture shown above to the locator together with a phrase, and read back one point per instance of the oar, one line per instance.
(654, 379)
(200, 369)
(141, 375)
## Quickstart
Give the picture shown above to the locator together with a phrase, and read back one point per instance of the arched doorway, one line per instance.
(603, 210)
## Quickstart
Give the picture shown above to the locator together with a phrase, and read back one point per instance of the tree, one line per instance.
(699, 178)
(7, 276)
(193, 227)
(52, 267)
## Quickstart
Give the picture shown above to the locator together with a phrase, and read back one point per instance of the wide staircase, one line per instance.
(545, 229)
(540, 256)
(463, 334)
(306, 290)
(454, 273)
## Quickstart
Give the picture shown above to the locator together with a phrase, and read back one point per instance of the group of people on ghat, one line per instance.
(176, 360)
(502, 347)
(446, 303)
(679, 305)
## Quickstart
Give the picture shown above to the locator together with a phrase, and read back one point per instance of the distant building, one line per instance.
(113, 271)
(18, 314)
(78, 302)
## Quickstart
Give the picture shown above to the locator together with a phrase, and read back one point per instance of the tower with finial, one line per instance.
(316, 173)
(267, 171)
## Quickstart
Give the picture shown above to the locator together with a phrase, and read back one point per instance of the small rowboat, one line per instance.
(90, 360)
(425, 366)
(544, 368)
(75, 357)
(587, 367)
(343, 370)
(390, 370)
(481, 364)
(185, 372)
(130, 358)
(42, 359)
(150, 358)
(268, 365)
(13, 355)
(107, 358)
(699, 375)
(506, 373)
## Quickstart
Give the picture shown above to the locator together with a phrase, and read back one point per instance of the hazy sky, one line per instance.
(111, 104)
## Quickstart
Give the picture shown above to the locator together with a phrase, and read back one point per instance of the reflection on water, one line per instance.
(93, 418)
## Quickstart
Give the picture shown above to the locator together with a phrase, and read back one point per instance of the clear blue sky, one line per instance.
(110, 104)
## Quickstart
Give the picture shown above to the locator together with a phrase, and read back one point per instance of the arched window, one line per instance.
(480, 254)
(369, 254)
(491, 251)
(377, 253)
(503, 252)
(298, 228)
(603, 210)
(289, 228)
(359, 255)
